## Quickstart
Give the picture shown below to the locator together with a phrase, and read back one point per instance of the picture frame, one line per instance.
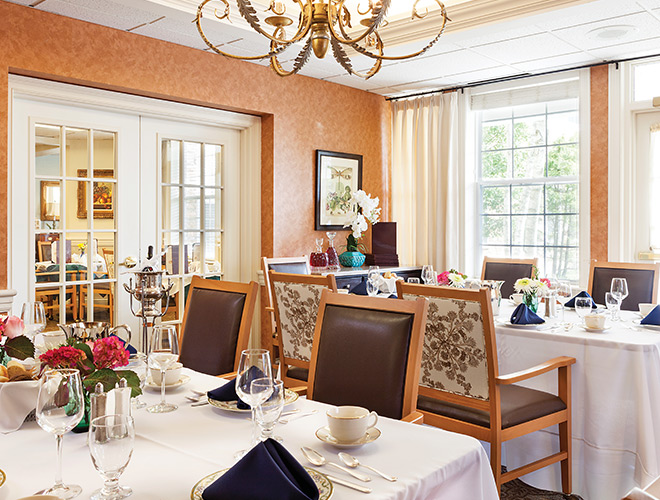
(103, 197)
(50, 201)
(338, 176)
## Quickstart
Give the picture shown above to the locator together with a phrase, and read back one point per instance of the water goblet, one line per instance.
(428, 275)
(138, 363)
(111, 439)
(619, 288)
(60, 407)
(582, 306)
(613, 305)
(270, 410)
(34, 318)
(163, 352)
(564, 293)
(373, 273)
(372, 288)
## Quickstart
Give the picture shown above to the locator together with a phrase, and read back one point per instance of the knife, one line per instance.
(348, 484)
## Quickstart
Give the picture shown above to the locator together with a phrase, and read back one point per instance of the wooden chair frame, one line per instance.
(503, 260)
(250, 290)
(495, 434)
(310, 279)
(418, 308)
(625, 265)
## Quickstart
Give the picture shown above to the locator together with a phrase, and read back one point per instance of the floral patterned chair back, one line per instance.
(455, 354)
(296, 300)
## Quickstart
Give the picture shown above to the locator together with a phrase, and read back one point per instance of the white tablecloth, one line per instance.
(174, 450)
(615, 403)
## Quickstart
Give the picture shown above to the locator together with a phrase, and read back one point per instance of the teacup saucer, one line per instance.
(595, 330)
(153, 385)
(324, 435)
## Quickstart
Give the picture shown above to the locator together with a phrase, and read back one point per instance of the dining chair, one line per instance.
(291, 265)
(296, 299)
(507, 270)
(642, 282)
(216, 324)
(462, 391)
(367, 353)
(104, 291)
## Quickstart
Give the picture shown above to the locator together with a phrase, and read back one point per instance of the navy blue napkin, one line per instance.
(652, 318)
(128, 347)
(571, 303)
(523, 315)
(267, 471)
(227, 392)
(361, 289)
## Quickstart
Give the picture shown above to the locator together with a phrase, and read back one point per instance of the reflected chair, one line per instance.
(462, 391)
(367, 353)
(291, 265)
(296, 299)
(216, 324)
(507, 270)
(642, 282)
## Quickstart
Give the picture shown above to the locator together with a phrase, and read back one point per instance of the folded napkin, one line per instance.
(361, 289)
(129, 347)
(267, 471)
(17, 400)
(227, 392)
(523, 315)
(652, 318)
(571, 303)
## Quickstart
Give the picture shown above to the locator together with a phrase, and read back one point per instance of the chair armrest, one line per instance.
(414, 418)
(547, 366)
(227, 376)
(300, 390)
(269, 309)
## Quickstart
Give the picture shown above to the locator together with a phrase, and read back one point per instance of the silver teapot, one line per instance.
(84, 331)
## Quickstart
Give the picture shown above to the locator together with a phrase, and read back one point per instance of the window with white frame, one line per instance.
(528, 176)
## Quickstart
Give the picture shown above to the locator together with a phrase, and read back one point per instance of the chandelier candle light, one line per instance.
(324, 24)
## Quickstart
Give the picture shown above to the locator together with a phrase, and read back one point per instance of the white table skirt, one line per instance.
(174, 450)
(615, 403)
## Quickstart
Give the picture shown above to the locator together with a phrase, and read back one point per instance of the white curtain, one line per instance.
(654, 188)
(425, 180)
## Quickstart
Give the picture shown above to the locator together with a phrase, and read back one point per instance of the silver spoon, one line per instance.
(353, 462)
(315, 458)
(296, 416)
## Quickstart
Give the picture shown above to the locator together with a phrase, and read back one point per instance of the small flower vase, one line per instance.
(352, 259)
(83, 425)
(531, 300)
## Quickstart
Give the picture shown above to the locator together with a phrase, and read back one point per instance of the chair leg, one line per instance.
(567, 464)
(496, 462)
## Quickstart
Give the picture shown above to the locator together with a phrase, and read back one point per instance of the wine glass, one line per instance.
(254, 364)
(373, 273)
(428, 275)
(34, 318)
(60, 407)
(582, 306)
(111, 440)
(564, 293)
(613, 304)
(138, 363)
(619, 288)
(163, 352)
(270, 410)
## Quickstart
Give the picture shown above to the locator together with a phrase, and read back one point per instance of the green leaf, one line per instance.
(84, 348)
(132, 379)
(106, 376)
(19, 347)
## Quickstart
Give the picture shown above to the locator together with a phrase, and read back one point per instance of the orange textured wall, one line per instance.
(599, 158)
(299, 114)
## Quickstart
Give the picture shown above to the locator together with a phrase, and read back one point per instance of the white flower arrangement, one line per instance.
(530, 286)
(456, 280)
(366, 210)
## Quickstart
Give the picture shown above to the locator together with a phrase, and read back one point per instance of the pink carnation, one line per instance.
(12, 327)
(546, 281)
(62, 357)
(443, 278)
(109, 352)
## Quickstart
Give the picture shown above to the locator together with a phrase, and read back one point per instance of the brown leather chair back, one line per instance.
(362, 354)
(509, 272)
(289, 267)
(216, 324)
(641, 285)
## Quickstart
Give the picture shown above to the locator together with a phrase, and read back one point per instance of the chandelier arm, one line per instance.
(343, 59)
(300, 61)
(377, 16)
(381, 57)
(248, 12)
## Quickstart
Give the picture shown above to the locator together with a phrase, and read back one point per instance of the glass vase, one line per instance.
(531, 300)
(83, 425)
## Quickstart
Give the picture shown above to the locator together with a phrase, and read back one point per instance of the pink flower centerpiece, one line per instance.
(13, 344)
(452, 278)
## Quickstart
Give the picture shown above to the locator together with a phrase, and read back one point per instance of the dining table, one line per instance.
(174, 451)
(615, 399)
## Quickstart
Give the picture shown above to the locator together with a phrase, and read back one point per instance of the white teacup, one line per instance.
(517, 298)
(595, 321)
(350, 423)
(644, 309)
(172, 375)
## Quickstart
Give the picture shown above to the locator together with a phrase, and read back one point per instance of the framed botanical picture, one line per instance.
(338, 176)
(102, 197)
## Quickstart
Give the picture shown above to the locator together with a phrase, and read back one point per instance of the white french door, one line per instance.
(647, 181)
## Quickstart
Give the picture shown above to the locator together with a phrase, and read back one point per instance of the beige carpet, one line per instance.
(517, 490)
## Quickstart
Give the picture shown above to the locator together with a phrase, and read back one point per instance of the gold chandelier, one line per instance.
(325, 24)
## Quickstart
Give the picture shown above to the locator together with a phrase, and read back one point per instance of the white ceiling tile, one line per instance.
(646, 26)
(494, 33)
(353, 81)
(22, 2)
(525, 48)
(485, 74)
(585, 13)
(625, 50)
(552, 63)
(180, 36)
(322, 68)
(101, 12)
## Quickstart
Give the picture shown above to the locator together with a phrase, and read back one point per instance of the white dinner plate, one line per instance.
(321, 480)
(532, 326)
(648, 327)
(324, 435)
(595, 330)
(289, 397)
(182, 381)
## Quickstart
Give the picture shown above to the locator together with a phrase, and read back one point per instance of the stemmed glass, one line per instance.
(60, 407)
(582, 306)
(613, 304)
(111, 439)
(372, 280)
(34, 318)
(138, 363)
(619, 288)
(254, 364)
(163, 352)
(428, 275)
(269, 412)
(564, 293)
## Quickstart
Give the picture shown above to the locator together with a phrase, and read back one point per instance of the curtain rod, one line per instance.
(518, 77)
